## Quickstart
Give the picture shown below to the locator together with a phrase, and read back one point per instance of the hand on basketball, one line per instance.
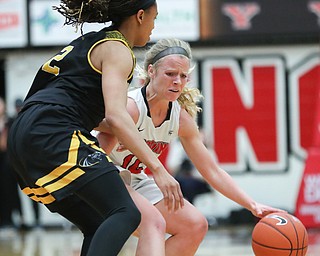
(279, 234)
(261, 210)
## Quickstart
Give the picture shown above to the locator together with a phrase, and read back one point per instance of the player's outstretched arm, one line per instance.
(216, 177)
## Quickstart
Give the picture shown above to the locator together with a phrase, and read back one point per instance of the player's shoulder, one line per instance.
(187, 124)
(133, 109)
(185, 116)
(115, 48)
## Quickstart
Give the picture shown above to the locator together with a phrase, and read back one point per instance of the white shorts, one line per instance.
(143, 184)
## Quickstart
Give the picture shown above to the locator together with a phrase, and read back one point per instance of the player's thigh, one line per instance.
(77, 211)
(148, 210)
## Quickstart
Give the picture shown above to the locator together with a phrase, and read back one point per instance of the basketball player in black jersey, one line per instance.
(57, 161)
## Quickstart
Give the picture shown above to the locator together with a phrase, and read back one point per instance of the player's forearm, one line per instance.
(122, 126)
(224, 184)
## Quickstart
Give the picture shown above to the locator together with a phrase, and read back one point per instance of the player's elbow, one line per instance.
(113, 120)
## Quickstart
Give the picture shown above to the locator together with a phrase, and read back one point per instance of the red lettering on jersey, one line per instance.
(132, 167)
(126, 161)
(241, 14)
(133, 164)
(157, 146)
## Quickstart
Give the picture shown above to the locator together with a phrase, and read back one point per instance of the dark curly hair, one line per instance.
(78, 12)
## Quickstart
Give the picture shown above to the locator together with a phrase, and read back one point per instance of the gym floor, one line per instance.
(219, 241)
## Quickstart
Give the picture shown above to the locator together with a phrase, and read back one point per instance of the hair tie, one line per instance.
(170, 51)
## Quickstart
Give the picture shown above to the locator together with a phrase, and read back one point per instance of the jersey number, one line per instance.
(52, 69)
(133, 168)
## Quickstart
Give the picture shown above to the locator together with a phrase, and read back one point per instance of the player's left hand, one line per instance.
(261, 210)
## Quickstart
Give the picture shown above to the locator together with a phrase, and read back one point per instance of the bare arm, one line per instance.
(106, 138)
(211, 172)
(114, 86)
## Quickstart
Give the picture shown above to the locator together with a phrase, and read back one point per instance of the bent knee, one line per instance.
(153, 220)
(159, 223)
(204, 224)
(199, 225)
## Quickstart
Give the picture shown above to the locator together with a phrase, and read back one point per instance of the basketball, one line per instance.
(279, 234)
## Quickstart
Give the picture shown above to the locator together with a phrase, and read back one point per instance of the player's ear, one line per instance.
(140, 16)
(151, 71)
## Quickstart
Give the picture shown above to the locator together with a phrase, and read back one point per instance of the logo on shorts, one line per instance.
(91, 159)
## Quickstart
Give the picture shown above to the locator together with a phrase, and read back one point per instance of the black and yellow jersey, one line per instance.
(69, 78)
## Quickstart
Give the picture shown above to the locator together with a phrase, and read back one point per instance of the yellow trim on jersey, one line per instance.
(64, 181)
(37, 194)
(58, 179)
(114, 36)
(60, 170)
(92, 144)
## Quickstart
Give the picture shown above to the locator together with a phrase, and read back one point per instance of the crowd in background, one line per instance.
(11, 210)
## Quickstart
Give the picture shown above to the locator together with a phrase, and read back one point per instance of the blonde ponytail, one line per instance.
(189, 99)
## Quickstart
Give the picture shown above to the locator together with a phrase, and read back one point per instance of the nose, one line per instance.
(177, 80)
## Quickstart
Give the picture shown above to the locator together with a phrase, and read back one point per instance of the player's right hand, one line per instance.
(170, 188)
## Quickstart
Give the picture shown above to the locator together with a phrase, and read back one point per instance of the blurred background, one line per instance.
(257, 62)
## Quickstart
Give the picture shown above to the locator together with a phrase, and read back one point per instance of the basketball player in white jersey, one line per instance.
(163, 109)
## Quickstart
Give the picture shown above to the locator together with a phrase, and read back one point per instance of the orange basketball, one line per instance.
(279, 234)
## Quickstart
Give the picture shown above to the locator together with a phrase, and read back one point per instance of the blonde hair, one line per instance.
(190, 97)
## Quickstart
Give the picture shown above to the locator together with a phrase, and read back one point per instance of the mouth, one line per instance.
(174, 91)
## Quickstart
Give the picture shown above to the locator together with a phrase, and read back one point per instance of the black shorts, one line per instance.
(52, 154)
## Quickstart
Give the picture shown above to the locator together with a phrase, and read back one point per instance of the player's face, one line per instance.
(147, 25)
(171, 76)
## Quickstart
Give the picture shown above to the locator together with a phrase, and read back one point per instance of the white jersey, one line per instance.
(157, 138)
